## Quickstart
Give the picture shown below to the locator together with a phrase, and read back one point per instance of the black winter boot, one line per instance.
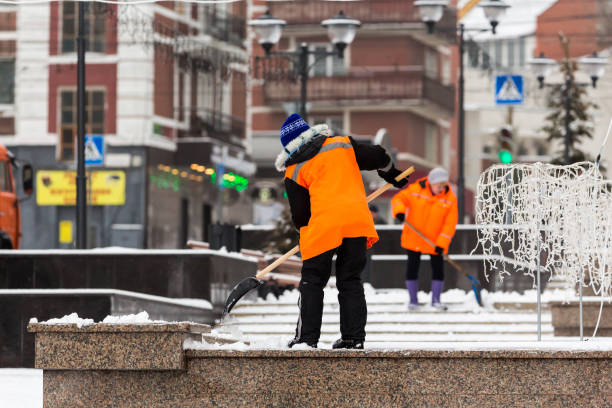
(348, 344)
(295, 341)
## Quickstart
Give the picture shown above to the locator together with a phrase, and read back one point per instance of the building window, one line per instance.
(510, 53)
(326, 66)
(95, 26)
(94, 119)
(7, 81)
(498, 54)
(446, 71)
(431, 64)
(522, 51)
(431, 143)
(486, 56)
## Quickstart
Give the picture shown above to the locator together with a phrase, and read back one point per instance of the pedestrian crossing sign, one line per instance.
(94, 150)
(509, 90)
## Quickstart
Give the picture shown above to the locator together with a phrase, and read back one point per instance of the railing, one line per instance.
(368, 11)
(225, 26)
(372, 87)
(217, 124)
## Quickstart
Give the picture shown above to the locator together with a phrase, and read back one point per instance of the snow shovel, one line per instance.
(476, 287)
(250, 283)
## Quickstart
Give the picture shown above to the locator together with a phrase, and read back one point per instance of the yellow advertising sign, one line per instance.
(58, 187)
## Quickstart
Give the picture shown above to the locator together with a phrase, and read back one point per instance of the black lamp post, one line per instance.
(81, 186)
(431, 12)
(593, 66)
(341, 30)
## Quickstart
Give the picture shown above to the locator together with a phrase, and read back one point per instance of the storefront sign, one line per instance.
(58, 187)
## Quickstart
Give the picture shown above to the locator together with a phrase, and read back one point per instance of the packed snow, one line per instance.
(73, 318)
(21, 388)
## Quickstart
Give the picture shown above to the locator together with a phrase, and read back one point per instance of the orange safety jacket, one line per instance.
(433, 215)
(338, 204)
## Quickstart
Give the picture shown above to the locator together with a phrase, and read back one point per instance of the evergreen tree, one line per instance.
(580, 120)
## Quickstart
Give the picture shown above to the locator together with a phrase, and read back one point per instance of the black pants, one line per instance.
(351, 258)
(414, 260)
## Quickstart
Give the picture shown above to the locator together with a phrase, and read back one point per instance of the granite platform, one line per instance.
(165, 365)
(566, 317)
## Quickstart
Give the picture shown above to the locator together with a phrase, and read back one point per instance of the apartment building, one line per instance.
(393, 76)
(166, 90)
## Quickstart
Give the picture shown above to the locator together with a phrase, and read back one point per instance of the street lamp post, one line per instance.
(341, 30)
(431, 12)
(594, 68)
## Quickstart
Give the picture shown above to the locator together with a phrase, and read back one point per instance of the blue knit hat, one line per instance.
(294, 126)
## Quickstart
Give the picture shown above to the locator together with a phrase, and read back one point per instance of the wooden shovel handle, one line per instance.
(296, 248)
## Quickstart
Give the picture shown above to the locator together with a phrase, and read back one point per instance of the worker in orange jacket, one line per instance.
(430, 206)
(330, 210)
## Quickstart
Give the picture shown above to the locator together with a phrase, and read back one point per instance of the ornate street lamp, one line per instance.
(594, 66)
(541, 67)
(493, 10)
(268, 29)
(340, 29)
(431, 12)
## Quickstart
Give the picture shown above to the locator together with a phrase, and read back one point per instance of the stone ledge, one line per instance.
(566, 317)
(403, 354)
(101, 346)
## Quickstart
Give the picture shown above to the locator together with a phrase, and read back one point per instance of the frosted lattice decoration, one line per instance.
(561, 213)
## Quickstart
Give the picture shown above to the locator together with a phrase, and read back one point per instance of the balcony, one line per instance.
(218, 125)
(225, 27)
(366, 87)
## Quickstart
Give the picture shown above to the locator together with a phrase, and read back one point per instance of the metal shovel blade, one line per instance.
(242, 288)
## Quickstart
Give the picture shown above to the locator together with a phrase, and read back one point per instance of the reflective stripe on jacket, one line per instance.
(338, 205)
(434, 216)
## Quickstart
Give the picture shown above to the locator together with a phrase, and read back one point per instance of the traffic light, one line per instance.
(506, 145)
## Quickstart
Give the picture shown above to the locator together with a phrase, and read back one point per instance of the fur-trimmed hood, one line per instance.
(296, 144)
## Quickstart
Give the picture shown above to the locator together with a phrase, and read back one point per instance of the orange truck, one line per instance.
(10, 221)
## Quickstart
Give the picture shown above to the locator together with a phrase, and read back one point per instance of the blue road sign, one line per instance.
(94, 150)
(509, 90)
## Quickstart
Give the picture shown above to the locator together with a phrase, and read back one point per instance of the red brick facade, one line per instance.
(577, 20)
(99, 76)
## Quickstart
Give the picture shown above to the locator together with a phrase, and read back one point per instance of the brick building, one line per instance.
(393, 76)
(165, 86)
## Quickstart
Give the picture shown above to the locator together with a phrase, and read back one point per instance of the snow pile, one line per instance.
(21, 387)
(72, 318)
(140, 318)
(203, 345)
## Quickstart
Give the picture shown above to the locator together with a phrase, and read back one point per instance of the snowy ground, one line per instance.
(21, 388)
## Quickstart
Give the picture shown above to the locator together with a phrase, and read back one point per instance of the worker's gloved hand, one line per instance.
(439, 250)
(400, 217)
(389, 177)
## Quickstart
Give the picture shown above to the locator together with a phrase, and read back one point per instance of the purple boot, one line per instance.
(413, 287)
(436, 290)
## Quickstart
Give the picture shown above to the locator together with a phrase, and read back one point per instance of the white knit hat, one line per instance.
(437, 175)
